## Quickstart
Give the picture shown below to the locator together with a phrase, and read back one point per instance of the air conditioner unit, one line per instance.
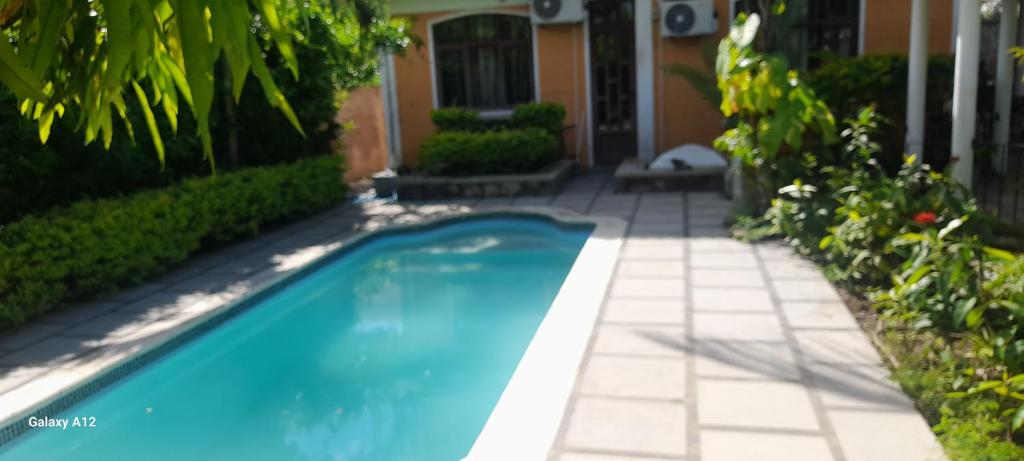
(556, 11)
(687, 18)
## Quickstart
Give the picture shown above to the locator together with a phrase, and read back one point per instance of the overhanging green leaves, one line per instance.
(86, 54)
(17, 76)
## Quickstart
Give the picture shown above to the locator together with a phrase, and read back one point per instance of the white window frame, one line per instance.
(492, 114)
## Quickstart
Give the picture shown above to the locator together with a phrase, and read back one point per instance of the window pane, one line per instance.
(484, 78)
(833, 27)
(451, 74)
(518, 75)
(449, 32)
(484, 61)
(482, 28)
(746, 6)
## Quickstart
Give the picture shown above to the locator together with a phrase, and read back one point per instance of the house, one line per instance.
(605, 66)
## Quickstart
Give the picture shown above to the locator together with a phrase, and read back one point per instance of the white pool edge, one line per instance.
(525, 422)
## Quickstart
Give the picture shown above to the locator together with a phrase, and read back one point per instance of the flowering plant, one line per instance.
(925, 218)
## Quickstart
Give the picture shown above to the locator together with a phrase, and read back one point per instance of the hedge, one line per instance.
(544, 115)
(548, 116)
(849, 84)
(95, 246)
(462, 153)
(457, 119)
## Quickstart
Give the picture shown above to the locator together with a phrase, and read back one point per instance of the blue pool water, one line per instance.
(398, 350)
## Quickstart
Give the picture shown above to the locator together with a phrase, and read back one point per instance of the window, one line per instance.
(745, 6)
(833, 26)
(814, 28)
(484, 61)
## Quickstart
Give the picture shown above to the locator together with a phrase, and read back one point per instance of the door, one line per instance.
(612, 80)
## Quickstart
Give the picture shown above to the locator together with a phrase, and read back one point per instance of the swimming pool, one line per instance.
(397, 349)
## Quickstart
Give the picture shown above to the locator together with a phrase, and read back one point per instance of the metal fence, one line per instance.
(999, 187)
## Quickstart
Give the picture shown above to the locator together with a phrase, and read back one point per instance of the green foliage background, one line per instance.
(336, 51)
(95, 246)
(849, 84)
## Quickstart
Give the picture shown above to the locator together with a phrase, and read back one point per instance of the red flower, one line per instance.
(925, 218)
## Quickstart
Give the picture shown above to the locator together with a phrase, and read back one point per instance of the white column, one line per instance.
(965, 89)
(917, 80)
(1018, 84)
(389, 100)
(644, 80)
(1004, 80)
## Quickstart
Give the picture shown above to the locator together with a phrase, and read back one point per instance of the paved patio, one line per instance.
(707, 348)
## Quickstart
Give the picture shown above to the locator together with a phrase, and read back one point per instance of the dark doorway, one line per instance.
(612, 78)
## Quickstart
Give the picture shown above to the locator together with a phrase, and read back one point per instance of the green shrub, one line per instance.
(802, 215)
(875, 211)
(456, 119)
(778, 116)
(977, 438)
(967, 427)
(848, 84)
(460, 153)
(547, 116)
(95, 246)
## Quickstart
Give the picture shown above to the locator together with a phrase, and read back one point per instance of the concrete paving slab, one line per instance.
(641, 427)
(747, 446)
(769, 405)
(635, 377)
(665, 312)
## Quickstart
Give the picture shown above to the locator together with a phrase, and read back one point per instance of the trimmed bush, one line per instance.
(456, 119)
(547, 116)
(462, 153)
(95, 246)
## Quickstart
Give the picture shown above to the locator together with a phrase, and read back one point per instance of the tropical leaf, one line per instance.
(147, 112)
(1018, 418)
(17, 76)
(236, 42)
(268, 13)
(119, 31)
(87, 54)
(274, 96)
(39, 50)
(193, 29)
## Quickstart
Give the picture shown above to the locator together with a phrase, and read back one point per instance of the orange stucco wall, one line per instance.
(365, 138)
(887, 27)
(414, 92)
(562, 72)
(681, 115)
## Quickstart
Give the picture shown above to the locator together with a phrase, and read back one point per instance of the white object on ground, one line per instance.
(385, 173)
(696, 156)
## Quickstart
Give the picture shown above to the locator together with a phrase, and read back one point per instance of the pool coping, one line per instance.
(525, 422)
(507, 415)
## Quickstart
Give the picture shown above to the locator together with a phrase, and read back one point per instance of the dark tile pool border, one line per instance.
(18, 424)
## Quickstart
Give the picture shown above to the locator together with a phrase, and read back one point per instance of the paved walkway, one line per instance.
(707, 348)
(715, 350)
